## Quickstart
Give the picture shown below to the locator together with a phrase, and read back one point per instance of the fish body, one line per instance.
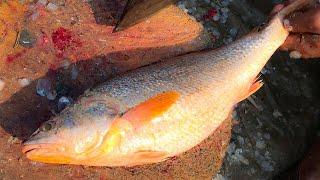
(158, 111)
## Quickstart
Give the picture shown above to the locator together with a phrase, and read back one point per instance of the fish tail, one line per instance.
(298, 4)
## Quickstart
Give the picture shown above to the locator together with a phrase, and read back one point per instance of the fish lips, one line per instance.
(28, 148)
(46, 153)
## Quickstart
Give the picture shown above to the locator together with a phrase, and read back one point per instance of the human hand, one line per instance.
(304, 41)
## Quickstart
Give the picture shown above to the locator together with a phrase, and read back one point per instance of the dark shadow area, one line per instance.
(24, 112)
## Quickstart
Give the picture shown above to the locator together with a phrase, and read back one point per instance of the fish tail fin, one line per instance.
(293, 7)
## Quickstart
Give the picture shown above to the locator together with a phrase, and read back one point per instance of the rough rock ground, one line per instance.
(271, 132)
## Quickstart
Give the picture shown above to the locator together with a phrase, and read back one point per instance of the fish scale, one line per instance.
(164, 109)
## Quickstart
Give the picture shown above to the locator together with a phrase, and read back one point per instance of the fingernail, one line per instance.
(295, 55)
(287, 25)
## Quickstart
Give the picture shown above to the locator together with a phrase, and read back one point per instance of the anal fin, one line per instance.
(148, 157)
(253, 88)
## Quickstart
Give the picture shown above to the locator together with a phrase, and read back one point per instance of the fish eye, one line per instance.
(47, 126)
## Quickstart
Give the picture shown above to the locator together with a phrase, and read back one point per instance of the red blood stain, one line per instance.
(63, 39)
(211, 13)
(12, 57)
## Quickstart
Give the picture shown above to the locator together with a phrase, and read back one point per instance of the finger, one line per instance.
(308, 46)
(277, 9)
(307, 21)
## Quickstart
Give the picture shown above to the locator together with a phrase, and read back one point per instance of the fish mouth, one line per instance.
(27, 148)
(46, 153)
(45, 148)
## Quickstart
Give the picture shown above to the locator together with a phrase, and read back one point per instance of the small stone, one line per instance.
(34, 16)
(219, 177)
(240, 140)
(216, 17)
(24, 82)
(63, 102)
(223, 19)
(215, 32)
(265, 71)
(276, 113)
(52, 95)
(74, 73)
(66, 63)
(231, 148)
(225, 10)
(225, 2)
(295, 55)
(260, 144)
(43, 87)
(267, 154)
(27, 39)
(266, 166)
(37, 164)
(259, 134)
(238, 151)
(2, 84)
(244, 160)
(42, 2)
(235, 115)
(253, 171)
(239, 157)
(12, 140)
(267, 136)
(233, 32)
(227, 40)
(52, 7)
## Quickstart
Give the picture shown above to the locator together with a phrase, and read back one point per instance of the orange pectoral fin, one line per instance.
(253, 88)
(153, 107)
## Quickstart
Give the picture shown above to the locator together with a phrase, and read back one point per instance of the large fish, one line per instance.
(159, 111)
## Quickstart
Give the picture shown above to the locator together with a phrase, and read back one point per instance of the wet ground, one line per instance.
(52, 51)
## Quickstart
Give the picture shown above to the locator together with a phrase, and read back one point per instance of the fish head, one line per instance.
(77, 134)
